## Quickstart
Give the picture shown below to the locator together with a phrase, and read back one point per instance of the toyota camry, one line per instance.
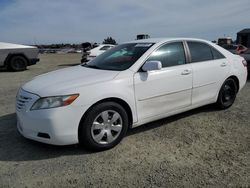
(134, 83)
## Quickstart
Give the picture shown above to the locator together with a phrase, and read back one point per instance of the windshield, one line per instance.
(120, 57)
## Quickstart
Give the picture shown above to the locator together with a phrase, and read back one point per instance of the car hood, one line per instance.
(66, 81)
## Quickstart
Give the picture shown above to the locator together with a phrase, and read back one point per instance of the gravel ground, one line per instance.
(202, 147)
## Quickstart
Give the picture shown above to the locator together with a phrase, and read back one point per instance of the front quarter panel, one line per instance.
(120, 87)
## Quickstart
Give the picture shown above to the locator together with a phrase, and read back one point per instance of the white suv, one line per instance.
(131, 84)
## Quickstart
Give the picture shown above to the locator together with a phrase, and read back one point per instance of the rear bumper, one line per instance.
(33, 61)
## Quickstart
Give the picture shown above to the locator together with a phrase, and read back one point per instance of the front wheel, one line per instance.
(104, 126)
(17, 63)
(227, 94)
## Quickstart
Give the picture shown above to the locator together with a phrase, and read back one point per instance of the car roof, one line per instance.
(162, 40)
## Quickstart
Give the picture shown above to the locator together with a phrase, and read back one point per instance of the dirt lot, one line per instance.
(203, 147)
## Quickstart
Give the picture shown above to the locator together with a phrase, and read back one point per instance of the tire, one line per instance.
(17, 63)
(103, 127)
(227, 94)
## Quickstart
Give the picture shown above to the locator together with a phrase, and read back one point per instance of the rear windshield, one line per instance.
(120, 57)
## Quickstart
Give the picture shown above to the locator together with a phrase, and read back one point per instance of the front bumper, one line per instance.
(56, 126)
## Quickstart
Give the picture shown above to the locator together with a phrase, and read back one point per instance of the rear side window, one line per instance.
(200, 52)
(217, 54)
(169, 54)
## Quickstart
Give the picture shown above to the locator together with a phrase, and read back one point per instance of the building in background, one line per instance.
(225, 41)
(243, 37)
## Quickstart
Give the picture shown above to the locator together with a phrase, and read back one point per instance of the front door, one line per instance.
(165, 90)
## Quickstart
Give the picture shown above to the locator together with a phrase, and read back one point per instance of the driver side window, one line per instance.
(171, 54)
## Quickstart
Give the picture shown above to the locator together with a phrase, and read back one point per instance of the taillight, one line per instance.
(244, 62)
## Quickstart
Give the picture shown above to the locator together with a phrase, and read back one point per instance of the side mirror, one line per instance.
(152, 65)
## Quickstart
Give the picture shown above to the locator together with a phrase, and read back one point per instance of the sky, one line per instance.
(77, 21)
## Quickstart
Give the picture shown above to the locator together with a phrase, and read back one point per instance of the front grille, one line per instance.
(23, 99)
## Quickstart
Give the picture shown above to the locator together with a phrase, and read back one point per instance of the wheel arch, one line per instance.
(119, 101)
(235, 78)
(11, 55)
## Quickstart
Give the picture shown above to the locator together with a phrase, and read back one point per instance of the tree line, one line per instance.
(108, 40)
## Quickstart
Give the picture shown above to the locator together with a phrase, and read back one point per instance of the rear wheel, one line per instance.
(103, 127)
(227, 94)
(17, 63)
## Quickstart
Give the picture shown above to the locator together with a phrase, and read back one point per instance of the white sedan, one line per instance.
(98, 51)
(129, 85)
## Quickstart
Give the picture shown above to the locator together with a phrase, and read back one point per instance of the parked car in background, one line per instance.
(246, 55)
(91, 54)
(239, 50)
(231, 48)
(17, 57)
(225, 41)
(68, 51)
(131, 84)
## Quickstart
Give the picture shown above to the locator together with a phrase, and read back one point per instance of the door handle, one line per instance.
(223, 64)
(186, 72)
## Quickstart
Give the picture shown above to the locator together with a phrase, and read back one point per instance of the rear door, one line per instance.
(165, 90)
(210, 69)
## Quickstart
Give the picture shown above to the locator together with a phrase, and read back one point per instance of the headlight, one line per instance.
(53, 102)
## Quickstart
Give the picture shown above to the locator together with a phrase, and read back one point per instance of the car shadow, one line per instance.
(4, 70)
(164, 121)
(13, 147)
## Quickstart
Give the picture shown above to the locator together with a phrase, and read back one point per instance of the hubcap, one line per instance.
(18, 63)
(106, 127)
